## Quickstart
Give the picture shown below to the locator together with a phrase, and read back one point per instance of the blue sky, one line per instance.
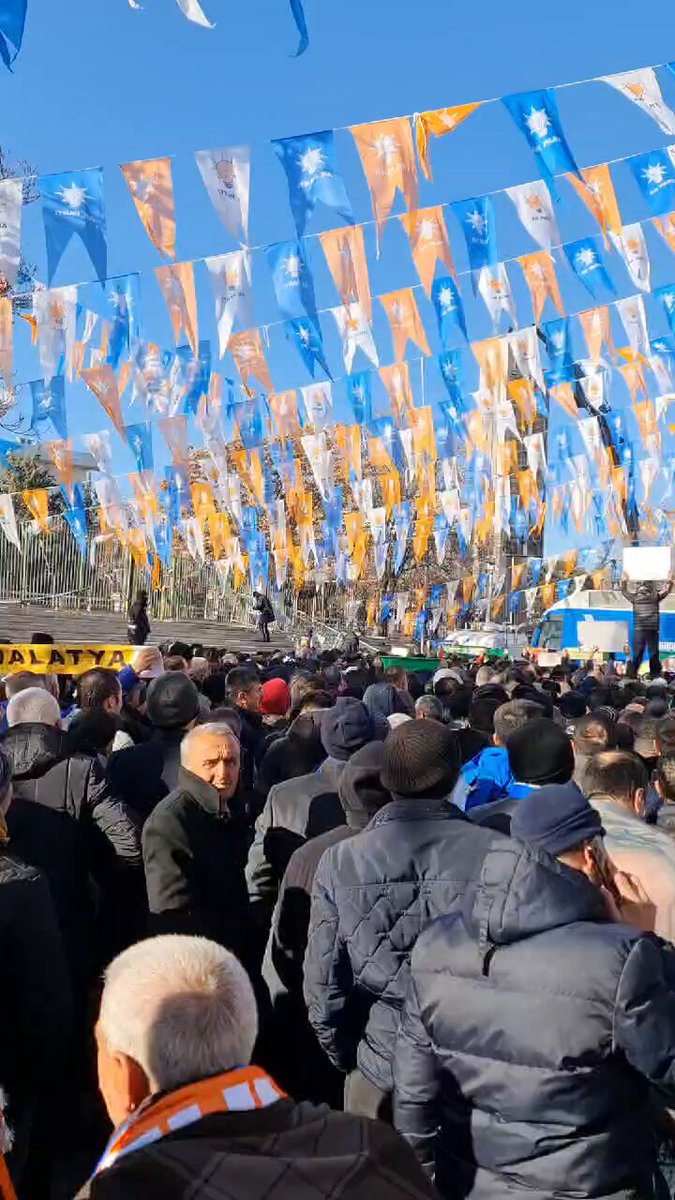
(99, 84)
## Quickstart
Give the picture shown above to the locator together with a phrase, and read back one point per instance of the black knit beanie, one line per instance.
(421, 758)
(541, 752)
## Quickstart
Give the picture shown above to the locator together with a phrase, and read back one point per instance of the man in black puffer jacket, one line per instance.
(534, 1024)
(646, 596)
(372, 897)
(65, 821)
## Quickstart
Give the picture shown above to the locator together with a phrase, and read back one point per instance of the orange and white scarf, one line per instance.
(235, 1091)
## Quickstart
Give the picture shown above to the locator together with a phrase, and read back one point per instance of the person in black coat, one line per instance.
(535, 1022)
(646, 597)
(244, 692)
(297, 752)
(65, 821)
(373, 894)
(138, 627)
(194, 847)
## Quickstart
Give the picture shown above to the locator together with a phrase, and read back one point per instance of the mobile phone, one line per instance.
(604, 869)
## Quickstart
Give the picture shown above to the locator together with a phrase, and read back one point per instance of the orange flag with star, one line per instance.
(564, 394)
(429, 242)
(405, 321)
(597, 327)
(102, 381)
(151, 185)
(247, 351)
(396, 379)
(541, 278)
(37, 503)
(596, 189)
(438, 122)
(175, 434)
(345, 253)
(284, 409)
(388, 159)
(61, 454)
(178, 285)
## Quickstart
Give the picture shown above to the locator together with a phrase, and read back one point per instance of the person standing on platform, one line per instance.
(138, 625)
(263, 607)
(646, 596)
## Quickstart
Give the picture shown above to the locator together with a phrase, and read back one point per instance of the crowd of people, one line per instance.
(300, 925)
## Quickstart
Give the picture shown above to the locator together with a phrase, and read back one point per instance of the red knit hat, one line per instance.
(276, 698)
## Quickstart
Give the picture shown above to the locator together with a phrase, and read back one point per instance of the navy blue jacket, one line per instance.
(372, 896)
(531, 1029)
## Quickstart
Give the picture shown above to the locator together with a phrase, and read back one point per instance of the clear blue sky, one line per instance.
(99, 84)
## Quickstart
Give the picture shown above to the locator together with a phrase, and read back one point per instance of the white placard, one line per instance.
(549, 658)
(610, 636)
(648, 562)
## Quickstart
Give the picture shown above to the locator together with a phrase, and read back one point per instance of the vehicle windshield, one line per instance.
(551, 632)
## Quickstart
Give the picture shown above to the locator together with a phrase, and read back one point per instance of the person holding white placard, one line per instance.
(646, 596)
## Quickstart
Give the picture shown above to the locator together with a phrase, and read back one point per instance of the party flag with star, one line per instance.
(12, 24)
(438, 122)
(405, 321)
(102, 381)
(227, 176)
(585, 259)
(632, 247)
(346, 257)
(478, 221)
(643, 88)
(249, 356)
(536, 115)
(532, 202)
(178, 285)
(306, 335)
(49, 404)
(596, 189)
(388, 159)
(355, 333)
(541, 278)
(151, 185)
(72, 202)
(292, 278)
(310, 163)
(447, 301)
(655, 176)
(429, 243)
(139, 440)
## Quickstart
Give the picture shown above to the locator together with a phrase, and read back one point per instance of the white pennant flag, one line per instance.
(320, 460)
(453, 587)
(494, 286)
(643, 88)
(194, 12)
(530, 595)
(536, 454)
(648, 471)
(318, 401)
(356, 334)
(633, 249)
(465, 524)
(634, 318)
(450, 473)
(55, 314)
(524, 346)
(194, 538)
(594, 389)
(100, 448)
(406, 436)
(227, 179)
(231, 282)
(362, 490)
(535, 208)
(401, 606)
(11, 205)
(8, 521)
(450, 504)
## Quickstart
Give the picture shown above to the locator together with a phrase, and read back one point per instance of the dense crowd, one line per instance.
(315, 928)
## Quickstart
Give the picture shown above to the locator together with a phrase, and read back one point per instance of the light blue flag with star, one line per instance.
(310, 163)
(479, 226)
(73, 203)
(449, 309)
(452, 374)
(49, 404)
(360, 395)
(139, 440)
(667, 297)
(292, 278)
(12, 24)
(585, 259)
(559, 349)
(75, 515)
(536, 115)
(307, 338)
(655, 176)
(124, 301)
(402, 524)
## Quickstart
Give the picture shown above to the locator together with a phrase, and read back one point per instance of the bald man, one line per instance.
(195, 846)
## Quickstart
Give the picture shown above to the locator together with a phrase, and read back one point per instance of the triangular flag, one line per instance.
(596, 189)
(438, 122)
(37, 503)
(227, 178)
(541, 278)
(405, 321)
(249, 356)
(178, 285)
(346, 257)
(534, 206)
(151, 185)
(388, 159)
(230, 276)
(102, 381)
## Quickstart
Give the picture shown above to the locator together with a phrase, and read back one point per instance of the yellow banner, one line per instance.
(64, 660)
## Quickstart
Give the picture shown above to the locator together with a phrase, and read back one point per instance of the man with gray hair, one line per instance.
(195, 844)
(175, 1036)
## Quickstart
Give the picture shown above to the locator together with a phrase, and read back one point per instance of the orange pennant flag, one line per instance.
(492, 356)
(568, 562)
(468, 584)
(438, 122)
(102, 381)
(284, 409)
(346, 257)
(151, 185)
(378, 456)
(424, 438)
(423, 530)
(391, 491)
(6, 340)
(634, 375)
(396, 379)
(405, 321)
(178, 285)
(354, 529)
(249, 356)
(648, 423)
(564, 394)
(143, 485)
(175, 434)
(203, 501)
(428, 235)
(521, 392)
(517, 575)
(541, 278)
(388, 158)
(37, 503)
(529, 492)
(219, 528)
(249, 467)
(597, 327)
(666, 227)
(61, 454)
(496, 605)
(596, 189)
(547, 595)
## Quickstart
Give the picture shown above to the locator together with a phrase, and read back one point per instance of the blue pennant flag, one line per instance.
(164, 541)
(402, 524)
(139, 439)
(49, 404)
(12, 24)
(479, 226)
(655, 176)
(452, 374)
(197, 374)
(292, 279)
(563, 588)
(536, 565)
(667, 297)
(585, 259)
(559, 349)
(514, 601)
(75, 515)
(178, 486)
(536, 115)
(307, 338)
(387, 610)
(124, 297)
(447, 302)
(7, 448)
(299, 18)
(310, 163)
(360, 395)
(73, 203)
(253, 422)
(385, 429)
